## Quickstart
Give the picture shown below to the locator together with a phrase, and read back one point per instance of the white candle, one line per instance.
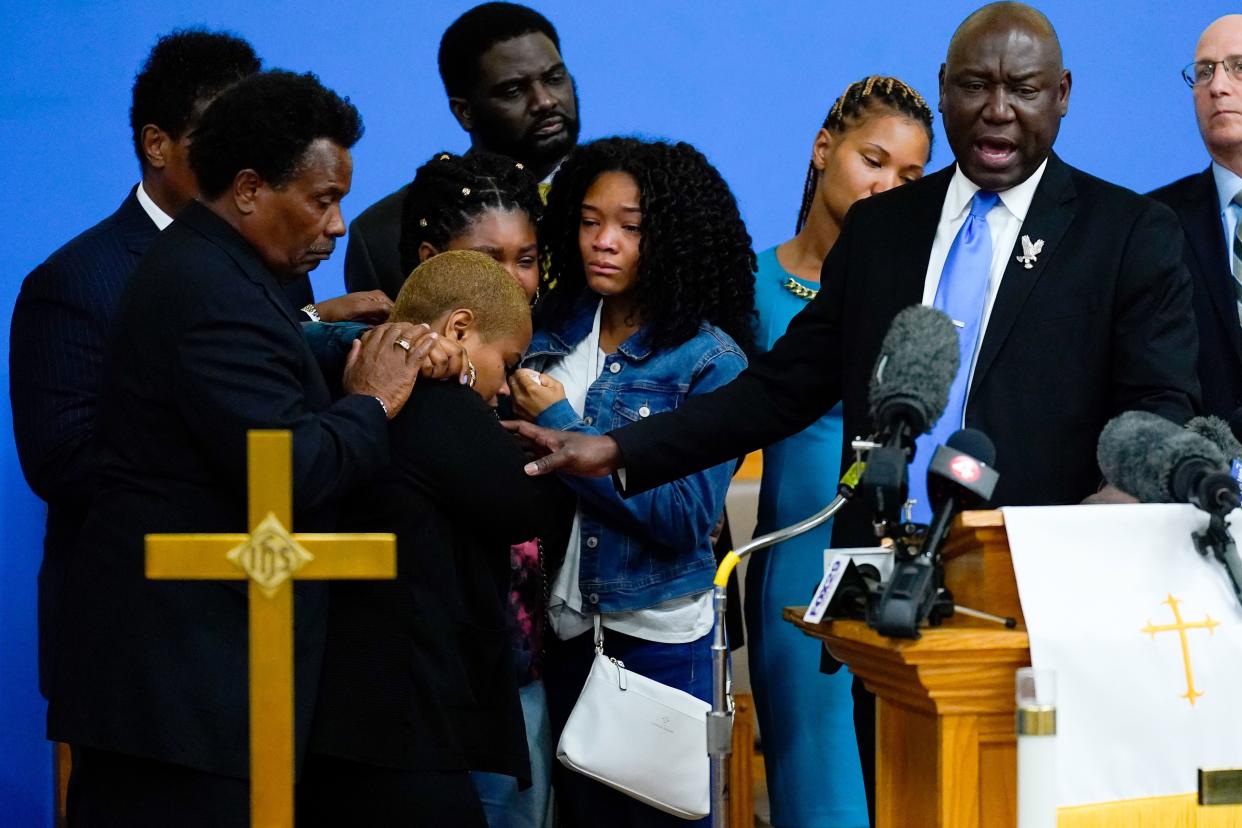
(1037, 741)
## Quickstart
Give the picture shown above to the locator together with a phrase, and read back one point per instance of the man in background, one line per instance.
(1209, 205)
(64, 313)
(509, 89)
(149, 682)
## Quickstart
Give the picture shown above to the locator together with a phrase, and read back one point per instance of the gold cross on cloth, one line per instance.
(271, 557)
(1180, 627)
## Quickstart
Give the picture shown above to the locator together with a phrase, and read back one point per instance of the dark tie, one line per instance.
(962, 293)
(1235, 252)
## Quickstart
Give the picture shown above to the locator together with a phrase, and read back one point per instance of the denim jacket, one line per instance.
(639, 551)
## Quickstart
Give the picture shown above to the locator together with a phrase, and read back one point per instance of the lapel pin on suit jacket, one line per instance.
(1030, 251)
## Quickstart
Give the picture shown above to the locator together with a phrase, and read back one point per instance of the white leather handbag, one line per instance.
(644, 738)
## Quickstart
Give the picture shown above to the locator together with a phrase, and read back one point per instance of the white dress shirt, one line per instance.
(157, 215)
(1004, 222)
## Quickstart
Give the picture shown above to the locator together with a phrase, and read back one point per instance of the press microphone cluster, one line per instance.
(1157, 462)
(1152, 459)
(960, 476)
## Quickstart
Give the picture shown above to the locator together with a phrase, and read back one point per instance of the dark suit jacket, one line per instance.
(1194, 200)
(56, 348)
(205, 347)
(372, 258)
(418, 672)
(60, 325)
(1101, 324)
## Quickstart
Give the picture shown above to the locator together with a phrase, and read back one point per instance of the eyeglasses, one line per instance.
(1201, 72)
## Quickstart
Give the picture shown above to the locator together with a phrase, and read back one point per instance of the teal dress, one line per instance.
(805, 717)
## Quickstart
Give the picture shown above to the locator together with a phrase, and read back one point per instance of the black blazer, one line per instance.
(1194, 200)
(372, 257)
(1101, 324)
(56, 347)
(205, 347)
(418, 672)
(61, 323)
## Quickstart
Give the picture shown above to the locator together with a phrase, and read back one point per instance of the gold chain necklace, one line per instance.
(801, 291)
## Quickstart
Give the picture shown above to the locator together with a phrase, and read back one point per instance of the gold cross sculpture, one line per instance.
(271, 557)
(1180, 628)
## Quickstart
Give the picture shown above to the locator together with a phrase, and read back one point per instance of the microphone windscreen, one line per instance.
(1235, 424)
(1218, 433)
(1139, 451)
(974, 442)
(918, 360)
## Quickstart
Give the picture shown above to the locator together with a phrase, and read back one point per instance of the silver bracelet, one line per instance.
(313, 312)
(382, 405)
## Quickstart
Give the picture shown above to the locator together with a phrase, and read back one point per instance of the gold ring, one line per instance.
(403, 344)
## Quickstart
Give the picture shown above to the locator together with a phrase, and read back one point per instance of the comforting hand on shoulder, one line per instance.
(371, 306)
(533, 392)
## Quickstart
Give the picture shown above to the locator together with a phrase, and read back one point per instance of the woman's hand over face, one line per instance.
(533, 392)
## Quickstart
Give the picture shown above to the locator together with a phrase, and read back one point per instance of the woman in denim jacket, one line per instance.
(654, 302)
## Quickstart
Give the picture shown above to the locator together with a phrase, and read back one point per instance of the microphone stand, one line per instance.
(1215, 539)
(720, 719)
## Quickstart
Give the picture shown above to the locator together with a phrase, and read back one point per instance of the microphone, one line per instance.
(913, 373)
(1157, 462)
(909, 391)
(1219, 433)
(960, 476)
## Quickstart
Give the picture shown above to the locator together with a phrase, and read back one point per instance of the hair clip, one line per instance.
(465, 191)
(520, 165)
(445, 156)
(422, 222)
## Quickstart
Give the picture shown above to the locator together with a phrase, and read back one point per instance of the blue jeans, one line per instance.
(583, 802)
(506, 806)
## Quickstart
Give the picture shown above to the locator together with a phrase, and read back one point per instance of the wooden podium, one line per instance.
(946, 753)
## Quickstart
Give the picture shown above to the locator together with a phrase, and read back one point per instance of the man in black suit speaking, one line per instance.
(1096, 322)
(1209, 205)
(150, 681)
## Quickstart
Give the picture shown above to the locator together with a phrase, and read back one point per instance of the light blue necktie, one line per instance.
(961, 294)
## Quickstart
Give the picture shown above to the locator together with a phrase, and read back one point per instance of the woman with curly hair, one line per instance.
(654, 302)
(877, 136)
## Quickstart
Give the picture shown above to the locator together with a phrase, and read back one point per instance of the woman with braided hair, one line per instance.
(479, 201)
(654, 302)
(877, 136)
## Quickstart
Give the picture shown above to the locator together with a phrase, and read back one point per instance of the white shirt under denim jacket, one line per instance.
(644, 562)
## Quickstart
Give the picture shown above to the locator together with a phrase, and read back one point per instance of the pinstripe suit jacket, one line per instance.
(56, 348)
(61, 325)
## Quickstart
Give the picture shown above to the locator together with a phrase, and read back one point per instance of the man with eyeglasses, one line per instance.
(1209, 205)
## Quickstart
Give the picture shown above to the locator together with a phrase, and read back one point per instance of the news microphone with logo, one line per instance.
(961, 475)
(909, 391)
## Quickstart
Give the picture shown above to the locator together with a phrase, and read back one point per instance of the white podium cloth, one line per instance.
(1141, 704)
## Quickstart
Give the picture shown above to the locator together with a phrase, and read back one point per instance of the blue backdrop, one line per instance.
(748, 83)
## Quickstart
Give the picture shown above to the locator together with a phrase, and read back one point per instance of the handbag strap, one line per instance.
(599, 633)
